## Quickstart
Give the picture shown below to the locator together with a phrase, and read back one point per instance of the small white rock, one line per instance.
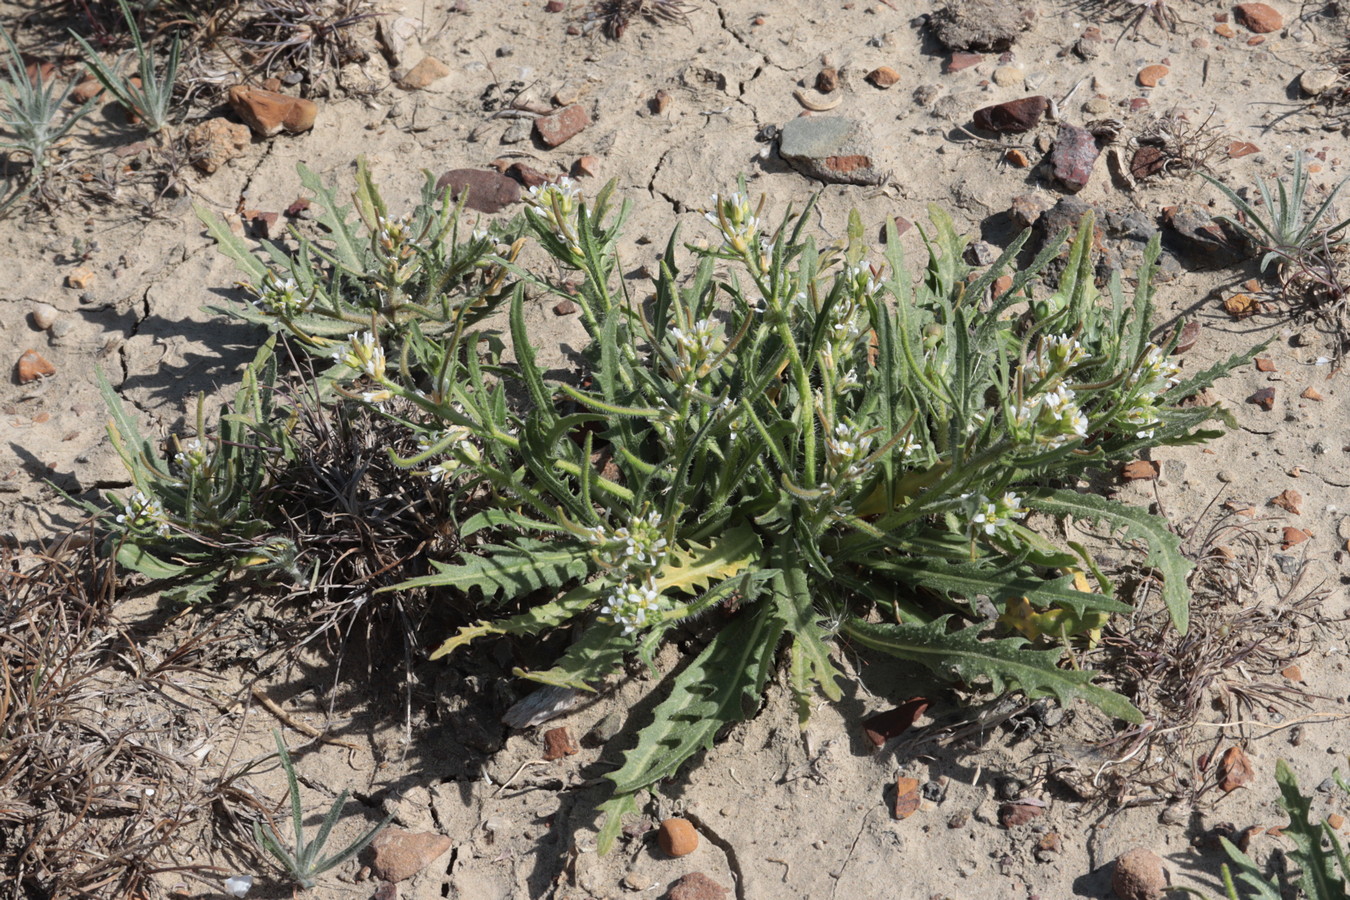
(1317, 81)
(1007, 76)
(238, 885)
(44, 314)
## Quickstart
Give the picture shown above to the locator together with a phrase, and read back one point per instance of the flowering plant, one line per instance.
(198, 513)
(808, 442)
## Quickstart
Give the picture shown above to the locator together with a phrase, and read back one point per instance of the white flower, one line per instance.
(909, 446)
(990, 516)
(142, 512)
(633, 604)
(1052, 418)
(640, 545)
(192, 456)
(1157, 372)
(846, 448)
(1057, 354)
(736, 220)
(278, 296)
(363, 353)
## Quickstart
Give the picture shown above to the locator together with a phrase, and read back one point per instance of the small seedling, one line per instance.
(150, 101)
(304, 865)
(1279, 226)
(32, 108)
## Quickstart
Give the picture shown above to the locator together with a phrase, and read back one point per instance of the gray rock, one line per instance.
(831, 149)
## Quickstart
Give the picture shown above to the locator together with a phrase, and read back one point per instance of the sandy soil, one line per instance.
(782, 813)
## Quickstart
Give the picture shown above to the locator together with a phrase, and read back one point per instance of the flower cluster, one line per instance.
(694, 349)
(396, 246)
(559, 203)
(280, 297)
(991, 517)
(734, 218)
(1052, 418)
(846, 451)
(144, 514)
(363, 353)
(635, 553)
(1157, 372)
(632, 604)
(193, 456)
(1055, 357)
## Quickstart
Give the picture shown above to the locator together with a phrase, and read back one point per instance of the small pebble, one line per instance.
(1007, 76)
(1139, 875)
(44, 315)
(677, 837)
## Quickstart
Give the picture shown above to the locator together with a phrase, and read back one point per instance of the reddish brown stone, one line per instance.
(554, 6)
(527, 175)
(1016, 158)
(1139, 874)
(1239, 149)
(1073, 156)
(1010, 815)
(1311, 393)
(426, 73)
(86, 90)
(883, 726)
(696, 886)
(401, 854)
(907, 797)
(1225, 31)
(1012, 117)
(213, 143)
(1290, 501)
(959, 61)
(562, 125)
(883, 77)
(1240, 306)
(827, 80)
(1140, 470)
(1264, 364)
(269, 113)
(588, 166)
(1264, 398)
(32, 366)
(845, 164)
(487, 191)
(677, 837)
(1149, 76)
(1260, 18)
(564, 308)
(1147, 160)
(1235, 770)
(558, 743)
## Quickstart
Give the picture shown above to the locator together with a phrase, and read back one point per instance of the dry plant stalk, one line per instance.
(92, 793)
(1230, 663)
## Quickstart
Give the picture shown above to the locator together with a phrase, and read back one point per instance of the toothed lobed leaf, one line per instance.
(510, 570)
(965, 656)
(1163, 548)
(718, 687)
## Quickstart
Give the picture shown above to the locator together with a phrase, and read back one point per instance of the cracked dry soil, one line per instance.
(782, 812)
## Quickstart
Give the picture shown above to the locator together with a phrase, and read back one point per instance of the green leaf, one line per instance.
(714, 690)
(1318, 880)
(810, 660)
(138, 559)
(973, 579)
(963, 656)
(511, 570)
(691, 567)
(1163, 547)
(600, 650)
(532, 621)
